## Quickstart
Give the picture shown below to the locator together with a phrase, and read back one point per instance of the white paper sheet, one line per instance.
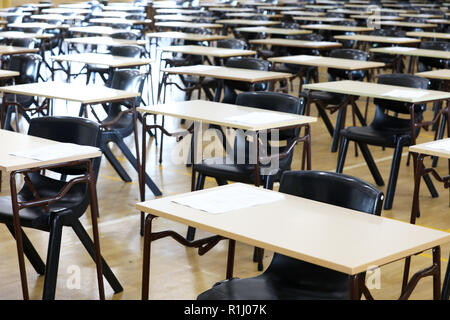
(399, 93)
(319, 43)
(305, 58)
(55, 151)
(443, 145)
(258, 118)
(228, 199)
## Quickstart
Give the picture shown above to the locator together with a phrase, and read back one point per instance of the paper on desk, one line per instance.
(399, 93)
(305, 58)
(55, 151)
(228, 199)
(260, 118)
(319, 43)
(401, 49)
(443, 145)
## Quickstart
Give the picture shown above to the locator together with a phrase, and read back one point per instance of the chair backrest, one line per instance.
(426, 63)
(232, 44)
(244, 63)
(353, 54)
(69, 130)
(23, 42)
(124, 35)
(274, 101)
(28, 65)
(132, 51)
(404, 80)
(335, 189)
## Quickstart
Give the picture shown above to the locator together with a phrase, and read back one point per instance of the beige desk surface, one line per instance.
(303, 13)
(181, 24)
(421, 15)
(69, 91)
(437, 35)
(119, 8)
(336, 27)
(102, 59)
(42, 25)
(22, 35)
(226, 73)
(439, 21)
(297, 43)
(380, 39)
(251, 14)
(415, 52)
(186, 36)
(375, 90)
(424, 148)
(318, 61)
(321, 19)
(102, 30)
(333, 237)
(217, 113)
(346, 11)
(269, 30)
(106, 41)
(120, 21)
(442, 74)
(4, 50)
(278, 8)
(365, 17)
(8, 74)
(75, 5)
(66, 11)
(55, 16)
(16, 142)
(110, 14)
(179, 11)
(248, 22)
(179, 17)
(209, 51)
(407, 24)
(231, 9)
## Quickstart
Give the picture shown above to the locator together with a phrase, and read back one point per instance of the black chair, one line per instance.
(64, 212)
(231, 87)
(230, 169)
(119, 122)
(327, 100)
(426, 63)
(126, 35)
(392, 62)
(28, 65)
(387, 131)
(132, 51)
(291, 279)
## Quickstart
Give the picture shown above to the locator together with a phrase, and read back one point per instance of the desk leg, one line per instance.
(18, 235)
(230, 259)
(146, 257)
(340, 123)
(354, 287)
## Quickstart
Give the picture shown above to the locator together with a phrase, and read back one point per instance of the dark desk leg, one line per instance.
(230, 259)
(340, 123)
(18, 235)
(437, 273)
(146, 257)
(354, 287)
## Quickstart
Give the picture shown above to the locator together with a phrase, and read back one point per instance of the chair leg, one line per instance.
(371, 164)
(342, 154)
(199, 185)
(326, 120)
(115, 163)
(30, 251)
(51, 270)
(440, 136)
(89, 245)
(393, 177)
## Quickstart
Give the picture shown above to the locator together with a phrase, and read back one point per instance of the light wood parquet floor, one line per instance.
(178, 272)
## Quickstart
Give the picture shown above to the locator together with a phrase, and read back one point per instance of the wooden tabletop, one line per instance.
(69, 91)
(433, 35)
(102, 30)
(106, 41)
(365, 17)
(298, 43)
(381, 91)
(186, 36)
(179, 17)
(18, 142)
(303, 13)
(8, 74)
(227, 73)
(182, 24)
(54, 16)
(102, 59)
(253, 14)
(332, 27)
(119, 21)
(438, 21)
(209, 51)
(321, 19)
(179, 11)
(22, 35)
(379, 39)
(408, 51)
(269, 30)
(341, 239)
(5, 50)
(42, 25)
(248, 22)
(66, 11)
(407, 24)
(319, 61)
(442, 74)
(433, 148)
(217, 113)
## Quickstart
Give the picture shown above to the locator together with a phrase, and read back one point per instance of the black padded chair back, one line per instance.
(124, 35)
(230, 87)
(274, 101)
(404, 80)
(353, 54)
(28, 65)
(232, 44)
(33, 30)
(426, 63)
(132, 51)
(69, 130)
(23, 42)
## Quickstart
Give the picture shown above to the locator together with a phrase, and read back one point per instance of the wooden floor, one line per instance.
(178, 272)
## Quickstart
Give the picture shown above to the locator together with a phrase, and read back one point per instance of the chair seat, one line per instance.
(37, 217)
(327, 98)
(373, 136)
(97, 68)
(124, 126)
